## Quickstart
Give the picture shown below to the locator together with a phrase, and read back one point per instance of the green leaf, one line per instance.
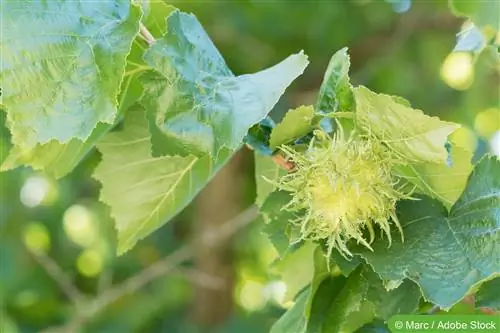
(278, 227)
(364, 298)
(321, 302)
(195, 104)
(488, 295)
(294, 320)
(54, 158)
(321, 272)
(335, 93)
(440, 181)
(145, 192)
(446, 254)
(266, 172)
(408, 132)
(346, 266)
(482, 13)
(79, 55)
(297, 269)
(258, 136)
(296, 123)
(377, 326)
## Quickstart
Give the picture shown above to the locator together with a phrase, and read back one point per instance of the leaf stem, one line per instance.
(146, 35)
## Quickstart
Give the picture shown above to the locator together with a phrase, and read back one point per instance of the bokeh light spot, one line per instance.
(251, 296)
(457, 70)
(34, 191)
(89, 263)
(36, 237)
(487, 122)
(26, 298)
(275, 291)
(79, 225)
(495, 144)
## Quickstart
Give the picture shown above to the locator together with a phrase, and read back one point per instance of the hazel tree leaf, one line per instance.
(335, 93)
(194, 101)
(278, 227)
(79, 55)
(446, 254)
(144, 192)
(297, 269)
(296, 123)
(364, 298)
(258, 137)
(266, 172)
(408, 132)
(488, 295)
(339, 304)
(442, 182)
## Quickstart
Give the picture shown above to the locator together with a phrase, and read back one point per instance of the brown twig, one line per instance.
(59, 276)
(167, 265)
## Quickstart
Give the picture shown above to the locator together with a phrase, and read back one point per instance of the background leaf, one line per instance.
(482, 13)
(194, 101)
(447, 255)
(406, 131)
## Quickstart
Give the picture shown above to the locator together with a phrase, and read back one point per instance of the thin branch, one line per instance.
(201, 278)
(58, 275)
(167, 265)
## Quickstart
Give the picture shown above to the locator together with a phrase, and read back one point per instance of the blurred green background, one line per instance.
(396, 47)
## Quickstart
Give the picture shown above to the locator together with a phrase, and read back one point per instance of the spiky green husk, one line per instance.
(345, 186)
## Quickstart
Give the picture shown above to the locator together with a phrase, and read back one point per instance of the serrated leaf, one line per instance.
(54, 158)
(258, 136)
(408, 132)
(278, 226)
(79, 54)
(488, 295)
(442, 182)
(335, 93)
(364, 298)
(346, 266)
(266, 172)
(194, 101)
(296, 123)
(145, 192)
(446, 254)
(296, 269)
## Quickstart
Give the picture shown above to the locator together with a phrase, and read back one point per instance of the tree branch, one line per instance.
(58, 275)
(167, 265)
